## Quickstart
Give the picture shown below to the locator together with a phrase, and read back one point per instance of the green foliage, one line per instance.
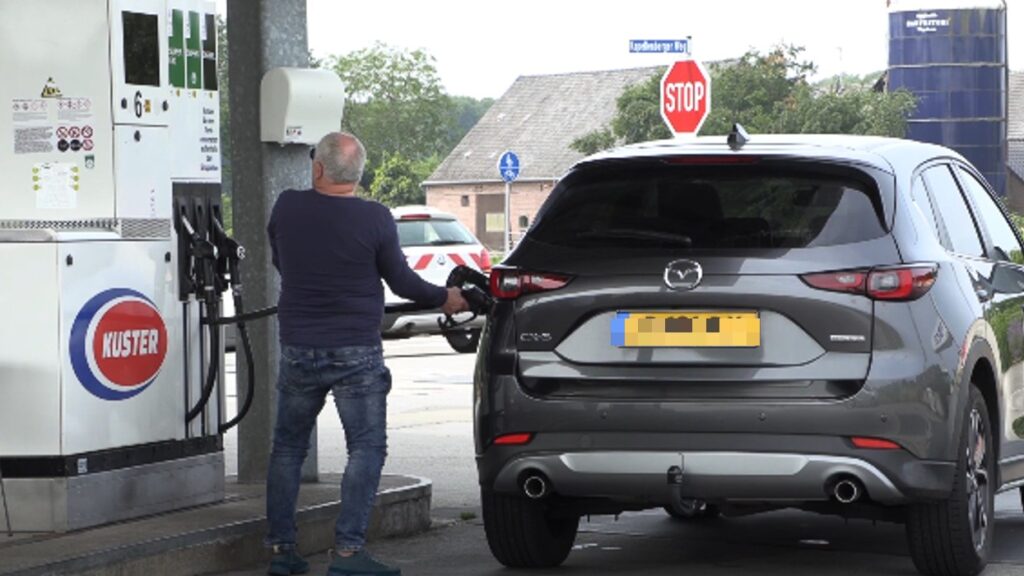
(639, 113)
(637, 119)
(468, 111)
(396, 104)
(594, 141)
(869, 113)
(399, 109)
(1018, 221)
(766, 93)
(398, 180)
(755, 89)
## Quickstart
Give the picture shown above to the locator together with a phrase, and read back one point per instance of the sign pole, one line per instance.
(508, 169)
(508, 216)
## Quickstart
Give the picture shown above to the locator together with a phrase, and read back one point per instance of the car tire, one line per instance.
(523, 533)
(954, 537)
(464, 341)
(692, 510)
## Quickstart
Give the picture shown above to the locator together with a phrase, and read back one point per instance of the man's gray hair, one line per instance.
(342, 156)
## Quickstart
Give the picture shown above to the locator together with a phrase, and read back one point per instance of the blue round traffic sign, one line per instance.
(508, 166)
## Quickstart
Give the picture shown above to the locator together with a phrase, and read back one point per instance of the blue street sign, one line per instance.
(508, 166)
(680, 46)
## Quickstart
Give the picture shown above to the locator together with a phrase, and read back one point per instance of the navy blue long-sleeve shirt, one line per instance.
(332, 252)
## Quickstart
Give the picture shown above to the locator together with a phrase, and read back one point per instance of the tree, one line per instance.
(467, 112)
(399, 109)
(398, 180)
(396, 104)
(766, 93)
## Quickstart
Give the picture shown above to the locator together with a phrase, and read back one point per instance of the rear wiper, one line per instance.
(445, 242)
(638, 234)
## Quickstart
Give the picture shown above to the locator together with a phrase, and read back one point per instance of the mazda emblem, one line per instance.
(683, 275)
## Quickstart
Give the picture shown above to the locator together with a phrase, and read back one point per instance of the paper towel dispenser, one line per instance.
(300, 105)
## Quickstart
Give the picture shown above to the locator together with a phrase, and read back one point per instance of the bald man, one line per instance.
(332, 250)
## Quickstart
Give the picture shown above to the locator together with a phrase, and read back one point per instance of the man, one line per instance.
(332, 249)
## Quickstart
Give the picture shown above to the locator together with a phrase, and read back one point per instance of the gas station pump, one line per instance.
(117, 259)
(111, 348)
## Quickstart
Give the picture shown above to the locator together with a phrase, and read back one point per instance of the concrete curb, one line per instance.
(398, 511)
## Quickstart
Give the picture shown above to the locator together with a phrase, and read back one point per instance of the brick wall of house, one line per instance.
(470, 203)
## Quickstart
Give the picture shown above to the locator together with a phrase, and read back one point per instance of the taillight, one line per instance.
(846, 281)
(511, 283)
(901, 283)
(517, 439)
(415, 217)
(897, 283)
(874, 443)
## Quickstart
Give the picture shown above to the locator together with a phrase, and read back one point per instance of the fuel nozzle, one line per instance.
(204, 257)
(474, 287)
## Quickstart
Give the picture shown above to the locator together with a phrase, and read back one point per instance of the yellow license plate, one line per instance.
(696, 329)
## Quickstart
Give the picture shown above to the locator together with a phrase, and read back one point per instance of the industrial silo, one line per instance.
(952, 56)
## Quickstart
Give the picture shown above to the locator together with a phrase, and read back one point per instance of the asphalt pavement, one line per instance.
(430, 431)
(430, 435)
(652, 544)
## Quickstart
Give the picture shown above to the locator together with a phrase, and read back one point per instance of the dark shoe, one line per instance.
(359, 564)
(286, 562)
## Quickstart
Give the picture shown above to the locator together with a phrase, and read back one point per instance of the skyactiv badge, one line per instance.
(118, 344)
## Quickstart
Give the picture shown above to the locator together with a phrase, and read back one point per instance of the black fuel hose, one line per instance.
(243, 334)
(211, 373)
(239, 319)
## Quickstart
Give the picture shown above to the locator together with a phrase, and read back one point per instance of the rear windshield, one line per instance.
(736, 207)
(434, 232)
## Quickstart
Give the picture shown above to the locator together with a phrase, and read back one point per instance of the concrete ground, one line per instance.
(216, 537)
(652, 544)
(430, 432)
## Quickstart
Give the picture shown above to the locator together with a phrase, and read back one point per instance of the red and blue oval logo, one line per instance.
(118, 344)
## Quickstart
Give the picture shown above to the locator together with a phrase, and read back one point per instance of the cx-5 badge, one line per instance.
(683, 275)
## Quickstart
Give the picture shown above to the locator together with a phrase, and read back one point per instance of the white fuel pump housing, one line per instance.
(300, 105)
(108, 109)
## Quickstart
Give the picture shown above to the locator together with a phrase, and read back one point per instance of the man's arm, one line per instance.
(396, 272)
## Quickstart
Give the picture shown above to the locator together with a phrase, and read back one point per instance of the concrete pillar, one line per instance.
(262, 34)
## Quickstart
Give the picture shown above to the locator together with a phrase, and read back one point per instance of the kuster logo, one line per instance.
(118, 344)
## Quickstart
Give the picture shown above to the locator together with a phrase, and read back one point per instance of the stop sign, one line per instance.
(685, 96)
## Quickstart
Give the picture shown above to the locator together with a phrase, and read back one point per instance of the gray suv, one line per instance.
(831, 323)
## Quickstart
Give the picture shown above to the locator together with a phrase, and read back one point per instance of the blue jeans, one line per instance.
(360, 384)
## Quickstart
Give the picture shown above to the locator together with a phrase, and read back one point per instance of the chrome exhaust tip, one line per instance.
(535, 487)
(847, 491)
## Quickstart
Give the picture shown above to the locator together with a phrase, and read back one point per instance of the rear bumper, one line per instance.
(633, 468)
(734, 476)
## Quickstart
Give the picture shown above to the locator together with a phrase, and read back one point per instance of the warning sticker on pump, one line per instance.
(74, 110)
(32, 111)
(56, 185)
(33, 140)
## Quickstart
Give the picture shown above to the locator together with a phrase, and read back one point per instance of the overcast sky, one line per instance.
(482, 46)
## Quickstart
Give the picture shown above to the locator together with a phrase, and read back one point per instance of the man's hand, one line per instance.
(455, 303)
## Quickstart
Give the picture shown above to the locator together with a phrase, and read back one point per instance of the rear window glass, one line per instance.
(739, 207)
(433, 232)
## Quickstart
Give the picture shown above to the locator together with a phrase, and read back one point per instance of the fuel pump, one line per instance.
(111, 348)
